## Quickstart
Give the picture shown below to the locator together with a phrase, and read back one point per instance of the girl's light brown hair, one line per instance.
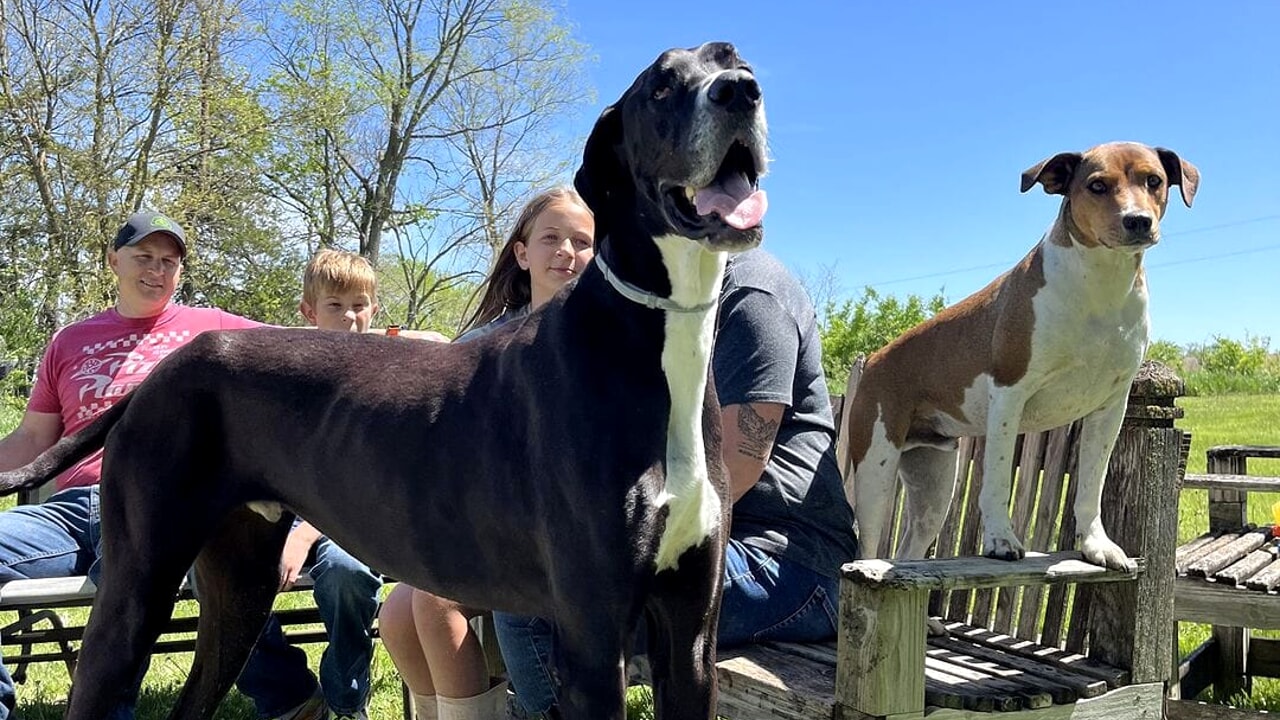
(508, 285)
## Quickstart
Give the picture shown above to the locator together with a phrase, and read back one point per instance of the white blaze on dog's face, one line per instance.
(1116, 193)
(705, 107)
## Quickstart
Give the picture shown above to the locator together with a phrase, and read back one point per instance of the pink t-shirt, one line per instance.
(91, 364)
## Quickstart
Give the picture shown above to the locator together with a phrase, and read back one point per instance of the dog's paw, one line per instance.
(1099, 550)
(1003, 546)
(935, 628)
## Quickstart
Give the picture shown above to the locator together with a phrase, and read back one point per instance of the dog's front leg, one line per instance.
(1097, 438)
(1004, 414)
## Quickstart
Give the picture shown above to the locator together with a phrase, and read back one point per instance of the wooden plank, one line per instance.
(1063, 660)
(981, 572)
(1220, 540)
(1134, 702)
(1064, 598)
(1191, 710)
(970, 543)
(1239, 572)
(1239, 483)
(976, 690)
(1052, 482)
(1243, 451)
(1047, 687)
(1266, 579)
(1031, 694)
(1197, 670)
(880, 650)
(1185, 551)
(1215, 603)
(1025, 491)
(950, 538)
(1264, 657)
(758, 682)
(1229, 553)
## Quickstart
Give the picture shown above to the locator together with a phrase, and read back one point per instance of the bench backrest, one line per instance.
(1042, 497)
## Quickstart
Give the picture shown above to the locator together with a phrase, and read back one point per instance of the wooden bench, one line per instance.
(1050, 636)
(1228, 578)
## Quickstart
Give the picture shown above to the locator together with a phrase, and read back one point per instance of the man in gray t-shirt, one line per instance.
(791, 525)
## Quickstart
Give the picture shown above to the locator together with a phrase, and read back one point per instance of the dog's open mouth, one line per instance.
(732, 194)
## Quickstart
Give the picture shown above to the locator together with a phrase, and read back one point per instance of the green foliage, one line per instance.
(1223, 367)
(1166, 352)
(865, 325)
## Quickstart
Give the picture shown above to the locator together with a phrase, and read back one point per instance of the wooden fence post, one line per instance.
(1130, 623)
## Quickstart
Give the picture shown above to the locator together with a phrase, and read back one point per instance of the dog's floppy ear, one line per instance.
(1181, 173)
(1054, 174)
(602, 172)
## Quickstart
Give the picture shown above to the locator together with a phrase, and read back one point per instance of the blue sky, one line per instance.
(899, 131)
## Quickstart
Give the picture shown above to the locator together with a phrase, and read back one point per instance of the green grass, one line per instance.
(1217, 420)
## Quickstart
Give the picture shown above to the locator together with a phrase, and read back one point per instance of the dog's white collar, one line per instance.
(644, 297)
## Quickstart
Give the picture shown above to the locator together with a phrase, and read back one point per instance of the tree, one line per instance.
(419, 121)
(863, 326)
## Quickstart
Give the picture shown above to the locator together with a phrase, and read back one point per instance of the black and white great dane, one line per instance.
(567, 465)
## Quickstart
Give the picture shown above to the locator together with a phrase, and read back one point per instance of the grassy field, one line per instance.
(1233, 419)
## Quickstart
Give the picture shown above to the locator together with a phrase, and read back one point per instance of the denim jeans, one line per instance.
(765, 598)
(276, 676)
(57, 538)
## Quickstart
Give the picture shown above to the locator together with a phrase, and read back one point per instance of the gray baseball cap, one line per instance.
(143, 223)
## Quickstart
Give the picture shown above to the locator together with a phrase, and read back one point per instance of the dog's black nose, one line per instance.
(1138, 223)
(735, 90)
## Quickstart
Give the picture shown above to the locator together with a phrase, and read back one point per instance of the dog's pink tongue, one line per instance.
(739, 206)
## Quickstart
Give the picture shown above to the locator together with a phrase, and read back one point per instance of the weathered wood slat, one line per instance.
(981, 572)
(1063, 660)
(1243, 451)
(759, 681)
(1052, 482)
(1264, 657)
(1192, 710)
(1241, 570)
(977, 689)
(1266, 579)
(1084, 687)
(1219, 604)
(1036, 690)
(1220, 541)
(970, 537)
(1241, 483)
(1211, 563)
(1025, 491)
(1185, 551)
(1136, 702)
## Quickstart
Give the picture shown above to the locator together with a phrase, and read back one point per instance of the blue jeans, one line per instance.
(57, 538)
(276, 676)
(765, 598)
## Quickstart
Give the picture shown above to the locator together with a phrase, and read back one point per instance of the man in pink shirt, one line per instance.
(88, 366)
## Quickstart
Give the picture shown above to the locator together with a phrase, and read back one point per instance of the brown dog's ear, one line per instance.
(1054, 174)
(1181, 173)
(602, 172)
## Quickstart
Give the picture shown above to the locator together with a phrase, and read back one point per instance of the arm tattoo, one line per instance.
(757, 433)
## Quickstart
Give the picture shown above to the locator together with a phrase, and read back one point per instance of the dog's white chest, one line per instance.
(693, 506)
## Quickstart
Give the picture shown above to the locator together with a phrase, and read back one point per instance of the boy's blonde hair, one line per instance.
(332, 272)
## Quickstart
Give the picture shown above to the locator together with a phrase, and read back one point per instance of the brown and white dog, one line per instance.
(1057, 338)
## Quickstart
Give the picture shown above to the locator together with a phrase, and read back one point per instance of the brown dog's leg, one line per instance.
(237, 577)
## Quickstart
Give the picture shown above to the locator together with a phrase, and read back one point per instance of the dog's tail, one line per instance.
(66, 452)
(843, 456)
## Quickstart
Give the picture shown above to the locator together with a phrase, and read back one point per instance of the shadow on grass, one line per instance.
(153, 704)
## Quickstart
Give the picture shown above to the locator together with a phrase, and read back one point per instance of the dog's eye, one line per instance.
(1154, 181)
(1097, 187)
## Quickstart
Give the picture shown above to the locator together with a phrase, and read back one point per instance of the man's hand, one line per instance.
(296, 548)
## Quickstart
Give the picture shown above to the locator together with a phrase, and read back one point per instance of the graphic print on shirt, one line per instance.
(112, 369)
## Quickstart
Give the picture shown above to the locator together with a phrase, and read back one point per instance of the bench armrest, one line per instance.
(1243, 483)
(963, 573)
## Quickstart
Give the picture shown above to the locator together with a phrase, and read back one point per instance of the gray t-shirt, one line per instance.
(476, 333)
(768, 349)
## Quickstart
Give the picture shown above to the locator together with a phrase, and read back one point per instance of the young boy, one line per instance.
(339, 292)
